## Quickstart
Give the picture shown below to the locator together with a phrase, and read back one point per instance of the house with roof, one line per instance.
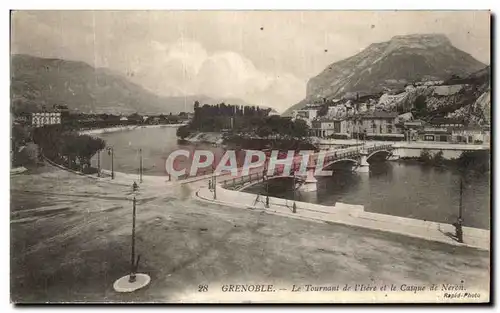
(375, 123)
(327, 127)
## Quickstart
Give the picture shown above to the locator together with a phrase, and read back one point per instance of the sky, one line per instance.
(262, 57)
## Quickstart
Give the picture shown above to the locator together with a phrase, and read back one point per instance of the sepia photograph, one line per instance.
(265, 156)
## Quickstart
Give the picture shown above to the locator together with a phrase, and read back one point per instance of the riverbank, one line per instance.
(206, 137)
(352, 215)
(123, 128)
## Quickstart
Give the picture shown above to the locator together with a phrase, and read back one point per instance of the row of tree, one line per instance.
(245, 121)
(67, 147)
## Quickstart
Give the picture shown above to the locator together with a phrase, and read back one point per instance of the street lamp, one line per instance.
(294, 206)
(214, 182)
(134, 280)
(458, 225)
(111, 152)
(99, 163)
(140, 165)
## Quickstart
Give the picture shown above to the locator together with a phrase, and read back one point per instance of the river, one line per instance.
(395, 188)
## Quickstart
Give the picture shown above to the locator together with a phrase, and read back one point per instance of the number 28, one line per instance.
(202, 288)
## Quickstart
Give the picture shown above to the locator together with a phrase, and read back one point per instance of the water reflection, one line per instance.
(396, 188)
(407, 190)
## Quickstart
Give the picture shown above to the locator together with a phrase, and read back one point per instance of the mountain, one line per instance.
(391, 65)
(38, 82)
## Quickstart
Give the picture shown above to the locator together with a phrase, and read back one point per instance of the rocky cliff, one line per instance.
(391, 65)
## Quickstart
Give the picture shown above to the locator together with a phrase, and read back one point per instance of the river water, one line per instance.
(395, 188)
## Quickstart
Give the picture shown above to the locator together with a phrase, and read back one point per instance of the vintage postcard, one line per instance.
(250, 156)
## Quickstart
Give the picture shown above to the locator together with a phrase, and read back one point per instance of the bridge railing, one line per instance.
(342, 155)
(379, 147)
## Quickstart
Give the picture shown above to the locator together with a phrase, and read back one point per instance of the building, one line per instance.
(272, 112)
(470, 134)
(439, 134)
(21, 118)
(308, 115)
(412, 128)
(446, 122)
(414, 124)
(375, 123)
(39, 119)
(325, 128)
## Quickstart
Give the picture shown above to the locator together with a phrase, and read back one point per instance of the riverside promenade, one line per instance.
(341, 213)
(352, 215)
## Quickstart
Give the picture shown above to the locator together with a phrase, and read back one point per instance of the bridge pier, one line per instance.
(311, 183)
(363, 166)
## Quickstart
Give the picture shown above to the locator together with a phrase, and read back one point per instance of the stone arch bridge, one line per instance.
(358, 158)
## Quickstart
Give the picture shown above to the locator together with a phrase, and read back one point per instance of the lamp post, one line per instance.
(458, 224)
(140, 165)
(294, 207)
(111, 152)
(133, 280)
(133, 267)
(99, 163)
(214, 182)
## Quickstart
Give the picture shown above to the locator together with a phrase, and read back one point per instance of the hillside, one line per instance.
(391, 65)
(465, 98)
(37, 82)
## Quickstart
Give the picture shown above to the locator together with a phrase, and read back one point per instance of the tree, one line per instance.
(300, 129)
(264, 131)
(82, 147)
(323, 110)
(420, 105)
(183, 132)
(425, 156)
(438, 158)
(135, 117)
(478, 161)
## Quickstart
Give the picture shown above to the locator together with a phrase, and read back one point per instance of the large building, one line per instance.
(325, 128)
(456, 134)
(40, 119)
(374, 123)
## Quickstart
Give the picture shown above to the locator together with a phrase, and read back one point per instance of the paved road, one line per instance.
(71, 241)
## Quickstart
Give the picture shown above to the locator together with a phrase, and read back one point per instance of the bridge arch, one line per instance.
(353, 161)
(378, 153)
(253, 183)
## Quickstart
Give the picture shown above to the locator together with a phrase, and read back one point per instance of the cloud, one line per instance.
(185, 67)
(263, 57)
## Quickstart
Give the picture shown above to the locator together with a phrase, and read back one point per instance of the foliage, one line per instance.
(183, 132)
(339, 136)
(323, 110)
(67, 146)
(425, 156)
(19, 135)
(438, 159)
(420, 106)
(382, 138)
(243, 121)
(478, 161)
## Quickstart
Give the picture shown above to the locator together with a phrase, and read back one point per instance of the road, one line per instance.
(70, 240)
